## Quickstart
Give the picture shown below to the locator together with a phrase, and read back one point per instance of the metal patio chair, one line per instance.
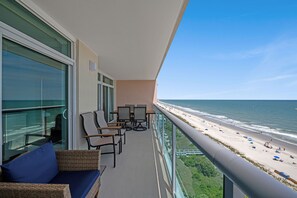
(112, 127)
(139, 118)
(124, 115)
(96, 139)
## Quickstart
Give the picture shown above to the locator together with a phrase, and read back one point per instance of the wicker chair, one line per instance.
(71, 160)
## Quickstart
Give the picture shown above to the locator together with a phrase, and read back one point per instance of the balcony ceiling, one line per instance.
(131, 37)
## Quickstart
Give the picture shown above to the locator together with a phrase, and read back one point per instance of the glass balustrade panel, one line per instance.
(196, 175)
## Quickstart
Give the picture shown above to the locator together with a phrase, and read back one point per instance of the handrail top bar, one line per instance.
(250, 179)
(32, 108)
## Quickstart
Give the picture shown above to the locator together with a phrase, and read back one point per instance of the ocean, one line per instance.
(276, 118)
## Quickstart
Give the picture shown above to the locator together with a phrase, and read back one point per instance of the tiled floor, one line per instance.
(139, 171)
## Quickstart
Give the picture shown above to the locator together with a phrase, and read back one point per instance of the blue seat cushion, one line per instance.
(37, 166)
(80, 182)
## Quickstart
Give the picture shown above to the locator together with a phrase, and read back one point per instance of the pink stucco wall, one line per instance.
(136, 92)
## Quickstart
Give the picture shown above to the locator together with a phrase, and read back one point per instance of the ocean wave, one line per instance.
(249, 126)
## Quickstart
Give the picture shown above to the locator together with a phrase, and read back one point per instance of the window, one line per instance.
(34, 100)
(16, 16)
(107, 80)
(106, 96)
(35, 83)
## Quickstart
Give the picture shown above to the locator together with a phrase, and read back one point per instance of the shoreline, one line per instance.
(246, 143)
(264, 136)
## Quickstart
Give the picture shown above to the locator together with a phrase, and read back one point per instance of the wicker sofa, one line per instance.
(68, 161)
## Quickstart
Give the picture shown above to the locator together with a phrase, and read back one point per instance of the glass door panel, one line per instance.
(34, 100)
(105, 102)
(111, 103)
(99, 97)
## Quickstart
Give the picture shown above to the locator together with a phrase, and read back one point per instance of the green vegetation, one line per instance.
(207, 181)
(197, 176)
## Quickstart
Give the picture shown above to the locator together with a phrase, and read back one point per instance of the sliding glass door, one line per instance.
(34, 100)
(106, 96)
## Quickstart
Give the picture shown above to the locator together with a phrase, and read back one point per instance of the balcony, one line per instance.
(157, 163)
(126, 45)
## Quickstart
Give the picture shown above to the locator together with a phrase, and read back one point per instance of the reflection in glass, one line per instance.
(34, 100)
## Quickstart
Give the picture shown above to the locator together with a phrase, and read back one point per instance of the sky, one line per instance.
(233, 49)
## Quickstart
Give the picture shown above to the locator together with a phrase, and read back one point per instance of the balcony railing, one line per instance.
(199, 166)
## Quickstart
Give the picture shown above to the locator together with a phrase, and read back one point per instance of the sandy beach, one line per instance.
(268, 153)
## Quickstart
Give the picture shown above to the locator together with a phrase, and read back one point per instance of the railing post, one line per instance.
(156, 121)
(231, 190)
(163, 136)
(173, 159)
(228, 187)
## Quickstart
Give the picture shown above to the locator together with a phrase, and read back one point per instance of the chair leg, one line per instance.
(124, 138)
(114, 156)
(120, 146)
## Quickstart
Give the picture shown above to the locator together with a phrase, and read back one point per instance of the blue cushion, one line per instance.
(80, 182)
(37, 166)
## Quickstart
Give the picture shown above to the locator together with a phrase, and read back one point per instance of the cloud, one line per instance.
(274, 78)
(265, 52)
(240, 55)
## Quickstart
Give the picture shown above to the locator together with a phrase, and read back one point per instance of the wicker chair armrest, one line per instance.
(26, 190)
(78, 160)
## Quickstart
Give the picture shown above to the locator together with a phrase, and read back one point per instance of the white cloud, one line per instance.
(274, 78)
(265, 52)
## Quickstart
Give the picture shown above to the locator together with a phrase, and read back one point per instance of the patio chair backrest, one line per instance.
(141, 105)
(101, 121)
(131, 107)
(140, 113)
(123, 113)
(89, 125)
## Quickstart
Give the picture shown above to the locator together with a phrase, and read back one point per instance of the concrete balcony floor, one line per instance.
(139, 172)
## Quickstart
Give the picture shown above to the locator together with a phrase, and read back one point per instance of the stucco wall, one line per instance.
(136, 92)
(86, 87)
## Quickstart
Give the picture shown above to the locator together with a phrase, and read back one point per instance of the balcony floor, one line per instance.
(139, 171)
